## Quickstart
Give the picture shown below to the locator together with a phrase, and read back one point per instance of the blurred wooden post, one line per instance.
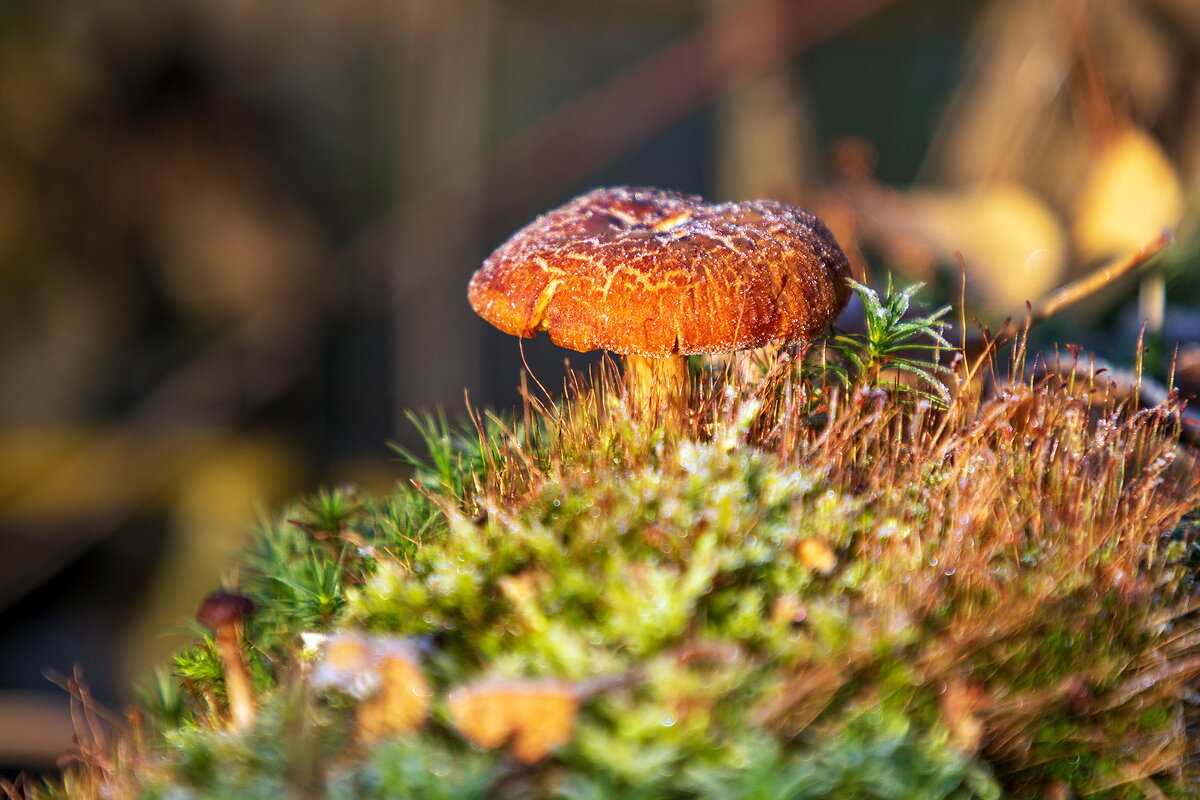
(436, 355)
(763, 134)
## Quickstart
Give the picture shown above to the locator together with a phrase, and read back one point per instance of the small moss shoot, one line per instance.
(816, 583)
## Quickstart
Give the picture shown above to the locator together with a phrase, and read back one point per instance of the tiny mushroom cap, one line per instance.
(654, 273)
(220, 609)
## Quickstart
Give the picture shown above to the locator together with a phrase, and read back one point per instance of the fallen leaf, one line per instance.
(532, 717)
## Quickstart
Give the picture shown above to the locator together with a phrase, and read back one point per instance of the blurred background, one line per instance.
(235, 235)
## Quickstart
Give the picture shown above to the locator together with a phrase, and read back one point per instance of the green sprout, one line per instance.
(894, 343)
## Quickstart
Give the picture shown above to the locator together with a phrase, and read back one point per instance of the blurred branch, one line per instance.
(35, 728)
(734, 48)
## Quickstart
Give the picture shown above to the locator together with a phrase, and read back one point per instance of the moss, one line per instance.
(991, 599)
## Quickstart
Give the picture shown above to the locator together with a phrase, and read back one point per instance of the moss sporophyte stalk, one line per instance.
(822, 581)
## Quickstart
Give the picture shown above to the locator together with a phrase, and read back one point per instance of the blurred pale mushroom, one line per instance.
(1011, 241)
(1130, 192)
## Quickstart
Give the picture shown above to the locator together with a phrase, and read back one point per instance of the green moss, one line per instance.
(886, 603)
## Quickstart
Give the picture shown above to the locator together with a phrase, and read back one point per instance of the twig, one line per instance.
(1073, 292)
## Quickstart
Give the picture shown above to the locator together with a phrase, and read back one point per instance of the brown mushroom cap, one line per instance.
(221, 608)
(655, 273)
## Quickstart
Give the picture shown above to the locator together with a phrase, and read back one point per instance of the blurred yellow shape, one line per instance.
(346, 653)
(1011, 241)
(382, 671)
(787, 609)
(534, 717)
(1130, 193)
(402, 702)
(817, 555)
(212, 505)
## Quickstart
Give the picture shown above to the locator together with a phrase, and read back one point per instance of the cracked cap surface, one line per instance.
(649, 272)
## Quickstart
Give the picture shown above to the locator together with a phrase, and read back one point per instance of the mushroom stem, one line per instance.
(237, 677)
(658, 387)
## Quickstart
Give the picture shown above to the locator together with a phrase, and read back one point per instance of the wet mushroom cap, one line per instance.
(655, 273)
(222, 608)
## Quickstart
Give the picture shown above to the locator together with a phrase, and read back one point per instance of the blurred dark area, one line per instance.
(235, 236)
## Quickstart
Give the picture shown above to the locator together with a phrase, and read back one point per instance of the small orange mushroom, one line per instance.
(223, 613)
(657, 275)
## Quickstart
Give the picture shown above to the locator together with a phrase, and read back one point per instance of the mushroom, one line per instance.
(222, 613)
(658, 275)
